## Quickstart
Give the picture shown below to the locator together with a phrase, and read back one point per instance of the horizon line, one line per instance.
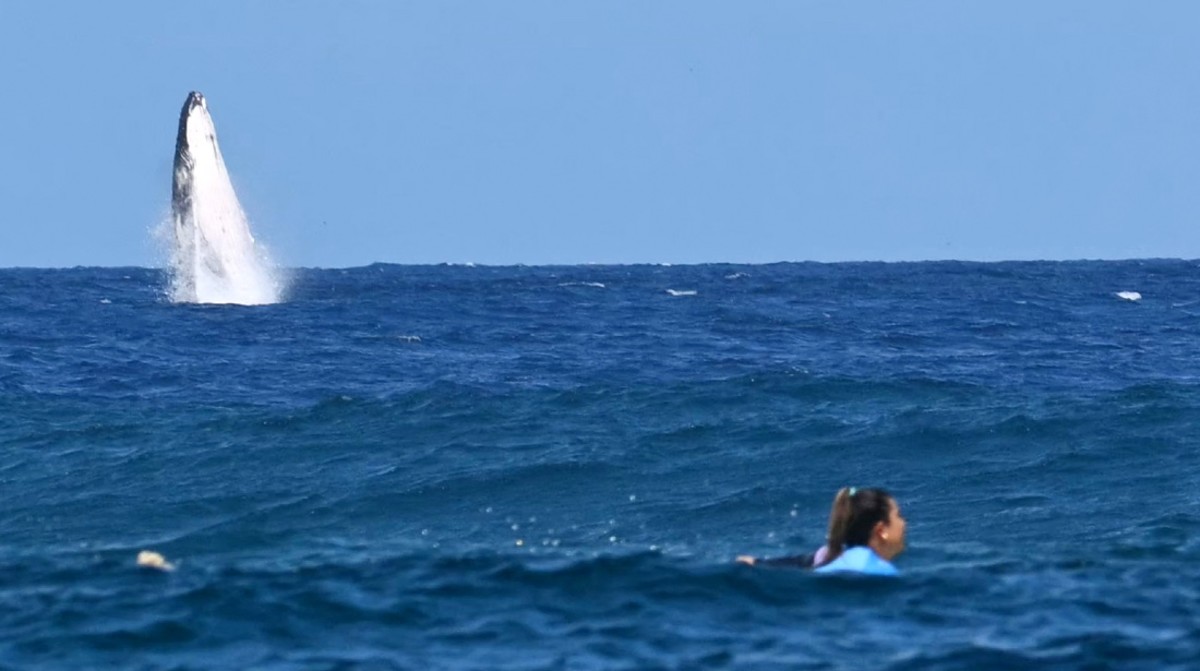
(472, 264)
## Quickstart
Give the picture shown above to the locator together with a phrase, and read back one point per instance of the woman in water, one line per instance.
(866, 531)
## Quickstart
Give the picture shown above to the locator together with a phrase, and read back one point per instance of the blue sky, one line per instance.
(611, 132)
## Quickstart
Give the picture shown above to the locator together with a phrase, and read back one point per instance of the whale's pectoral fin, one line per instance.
(209, 257)
(214, 264)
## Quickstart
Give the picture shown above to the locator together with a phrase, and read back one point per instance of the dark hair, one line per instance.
(854, 516)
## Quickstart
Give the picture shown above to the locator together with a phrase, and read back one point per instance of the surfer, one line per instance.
(866, 531)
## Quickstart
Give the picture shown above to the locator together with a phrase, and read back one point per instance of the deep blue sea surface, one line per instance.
(449, 467)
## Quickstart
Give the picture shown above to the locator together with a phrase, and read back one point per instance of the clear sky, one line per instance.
(613, 132)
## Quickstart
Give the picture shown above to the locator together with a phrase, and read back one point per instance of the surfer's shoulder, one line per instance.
(862, 560)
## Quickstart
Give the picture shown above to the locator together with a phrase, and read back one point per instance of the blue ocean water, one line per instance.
(450, 467)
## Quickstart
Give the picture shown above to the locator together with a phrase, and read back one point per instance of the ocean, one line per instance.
(458, 467)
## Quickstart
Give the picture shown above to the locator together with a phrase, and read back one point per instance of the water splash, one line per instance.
(214, 257)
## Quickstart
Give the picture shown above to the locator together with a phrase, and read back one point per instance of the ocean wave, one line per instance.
(559, 478)
(416, 607)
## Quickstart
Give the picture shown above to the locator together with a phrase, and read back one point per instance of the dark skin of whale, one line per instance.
(181, 188)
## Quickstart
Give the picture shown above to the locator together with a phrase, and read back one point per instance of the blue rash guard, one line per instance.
(859, 559)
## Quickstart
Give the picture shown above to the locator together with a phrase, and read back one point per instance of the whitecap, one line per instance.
(682, 292)
(1129, 295)
(598, 285)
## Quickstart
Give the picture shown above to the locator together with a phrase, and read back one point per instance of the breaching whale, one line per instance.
(215, 258)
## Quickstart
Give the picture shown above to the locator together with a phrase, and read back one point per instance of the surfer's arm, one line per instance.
(796, 561)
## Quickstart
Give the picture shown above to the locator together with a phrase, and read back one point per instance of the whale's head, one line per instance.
(195, 99)
(196, 132)
(195, 108)
(197, 137)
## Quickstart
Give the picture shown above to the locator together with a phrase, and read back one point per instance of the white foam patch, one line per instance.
(215, 257)
(1129, 295)
(682, 292)
(598, 285)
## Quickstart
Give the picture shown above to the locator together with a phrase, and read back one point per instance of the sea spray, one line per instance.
(214, 257)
